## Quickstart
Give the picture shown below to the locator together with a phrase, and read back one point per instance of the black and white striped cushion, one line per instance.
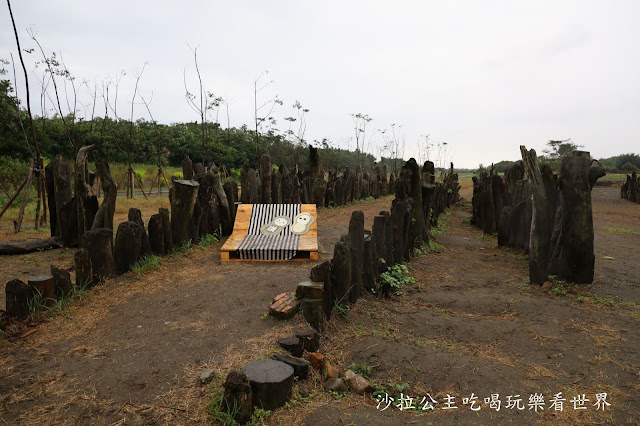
(283, 246)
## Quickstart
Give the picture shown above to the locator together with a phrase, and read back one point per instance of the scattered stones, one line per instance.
(292, 345)
(206, 376)
(316, 359)
(284, 306)
(335, 385)
(299, 365)
(310, 289)
(329, 371)
(238, 396)
(271, 382)
(357, 383)
(309, 338)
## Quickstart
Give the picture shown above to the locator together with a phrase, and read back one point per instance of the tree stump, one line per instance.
(322, 273)
(166, 229)
(293, 345)
(312, 311)
(84, 270)
(184, 199)
(299, 365)
(370, 263)
(271, 382)
(17, 295)
(379, 233)
(156, 234)
(238, 397)
(62, 279)
(99, 243)
(309, 338)
(46, 286)
(310, 289)
(135, 215)
(266, 170)
(128, 246)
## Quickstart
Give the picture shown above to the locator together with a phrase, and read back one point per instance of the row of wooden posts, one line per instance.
(630, 190)
(547, 215)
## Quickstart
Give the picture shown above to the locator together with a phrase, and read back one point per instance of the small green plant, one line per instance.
(621, 231)
(147, 263)
(208, 240)
(361, 369)
(37, 303)
(559, 290)
(583, 299)
(259, 416)
(340, 309)
(338, 395)
(184, 247)
(217, 411)
(264, 316)
(397, 277)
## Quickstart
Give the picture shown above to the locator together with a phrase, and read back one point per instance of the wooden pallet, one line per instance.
(307, 248)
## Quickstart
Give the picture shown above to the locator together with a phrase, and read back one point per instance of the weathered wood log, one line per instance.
(24, 247)
(310, 289)
(299, 365)
(45, 285)
(128, 246)
(312, 312)
(309, 338)
(104, 216)
(540, 232)
(253, 187)
(575, 258)
(99, 243)
(86, 209)
(271, 382)
(356, 242)
(17, 296)
(156, 234)
(245, 196)
(238, 397)
(341, 272)
(84, 269)
(293, 345)
(319, 192)
(370, 263)
(379, 232)
(63, 194)
(398, 209)
(187, 168)
(294, 186)
(51, 199)
(62, 280)
(166, 229)
(225, 207)
(322, 273)
(231, 191)
(198, 169)
(266, 170)
(182, 205)
(276, 188)
(314, 163)
(417, 227)
(135, 215)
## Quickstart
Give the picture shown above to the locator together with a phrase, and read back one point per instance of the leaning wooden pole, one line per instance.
(540, 235)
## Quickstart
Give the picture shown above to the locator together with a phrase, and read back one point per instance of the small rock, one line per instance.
(335, 384)
(357, 383)
(546, 285)
(284, 306)
(316, 359)
(310, 289)
(329, 371)
(292, 345)
(206, 376)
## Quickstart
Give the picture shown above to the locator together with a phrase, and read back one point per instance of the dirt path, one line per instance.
(133, 350)
(476, 328)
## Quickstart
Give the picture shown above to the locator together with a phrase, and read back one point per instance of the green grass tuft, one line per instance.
(147, 263)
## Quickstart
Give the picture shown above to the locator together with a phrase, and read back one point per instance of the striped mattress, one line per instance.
(260, 246)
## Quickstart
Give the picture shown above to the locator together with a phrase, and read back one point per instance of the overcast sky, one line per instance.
(483, 76)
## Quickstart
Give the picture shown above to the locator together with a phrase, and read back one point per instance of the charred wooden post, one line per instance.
(379, 232)
(185, 193)
(62, 282)
(86, 208)
(17, 296)
(156, 234)
(540, 233)
(66, 225)
(356, 243)
(319, 192)
(128, 246)
(226, 209)
(237, 397)
(24, 247)
(266, 170)
(231, 191)
(51, 199)
(370, 263)
(276, 188)
(166, 229)
(312, 312)
(341, 272)
(187, 168)
(314, 164)
(84, 269)
(322, 273)
(309, 338)
(398, 210)
(99, 243)
(271, 382)
(45, 285)
(417, 227)
(104, 216)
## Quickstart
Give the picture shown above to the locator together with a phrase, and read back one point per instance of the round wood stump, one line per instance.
(271, 382)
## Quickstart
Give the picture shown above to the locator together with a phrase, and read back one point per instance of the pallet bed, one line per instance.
(307, 248)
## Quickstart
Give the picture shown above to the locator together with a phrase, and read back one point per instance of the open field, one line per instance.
(131, 351)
